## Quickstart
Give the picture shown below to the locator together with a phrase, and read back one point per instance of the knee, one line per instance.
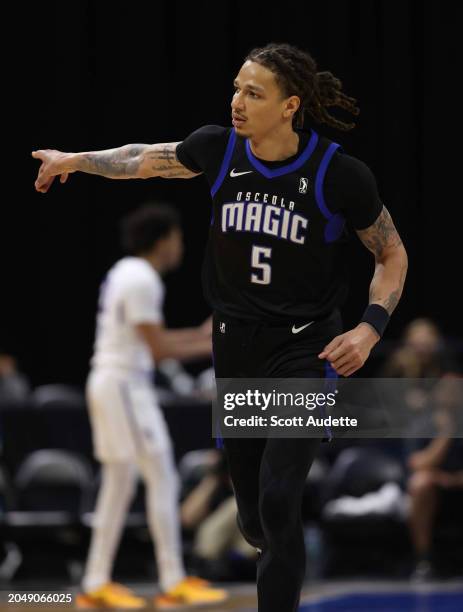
(421, 482)
(122, 478)
(251, 529)
(160, 475)
(277, 511)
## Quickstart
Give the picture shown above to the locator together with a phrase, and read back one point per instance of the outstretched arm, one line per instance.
(348, 352)
(182, 344)
(127, 162)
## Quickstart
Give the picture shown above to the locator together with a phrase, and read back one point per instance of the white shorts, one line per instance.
(125, 416)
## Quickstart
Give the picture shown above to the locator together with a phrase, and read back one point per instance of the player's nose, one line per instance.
(237, 103)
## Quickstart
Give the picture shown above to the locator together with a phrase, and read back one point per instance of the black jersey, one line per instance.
(276, 248)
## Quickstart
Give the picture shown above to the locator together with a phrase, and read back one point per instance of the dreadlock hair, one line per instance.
(296, 74)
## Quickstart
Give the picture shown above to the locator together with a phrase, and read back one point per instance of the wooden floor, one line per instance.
(243, 596)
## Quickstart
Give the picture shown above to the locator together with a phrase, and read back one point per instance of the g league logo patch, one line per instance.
(303, 185)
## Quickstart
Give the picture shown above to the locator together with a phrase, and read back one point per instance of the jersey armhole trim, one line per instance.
(225, 163)
(335, 222)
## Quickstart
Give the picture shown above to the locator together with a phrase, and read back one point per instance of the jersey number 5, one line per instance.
(259, 256)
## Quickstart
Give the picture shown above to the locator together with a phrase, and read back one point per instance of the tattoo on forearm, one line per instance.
(123, 161)
(376, 295)
(380, 235)
(135, 161)
(390, 302)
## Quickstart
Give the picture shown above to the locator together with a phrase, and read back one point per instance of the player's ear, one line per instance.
(290, 107)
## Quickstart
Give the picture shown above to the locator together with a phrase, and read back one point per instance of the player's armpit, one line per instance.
(381, 237)
(161, 160)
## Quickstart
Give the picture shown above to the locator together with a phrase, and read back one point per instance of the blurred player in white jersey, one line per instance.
(129, 431)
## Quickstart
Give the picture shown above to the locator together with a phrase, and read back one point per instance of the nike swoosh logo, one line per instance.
(233, 173)
(296, 330)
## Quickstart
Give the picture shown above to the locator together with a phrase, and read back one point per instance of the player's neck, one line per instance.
(154, 261)
(277, 146)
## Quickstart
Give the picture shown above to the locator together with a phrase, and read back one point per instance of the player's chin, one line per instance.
(242, 129)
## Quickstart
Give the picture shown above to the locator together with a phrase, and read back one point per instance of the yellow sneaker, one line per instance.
(110, 595)
(189, 592)
(196, 580)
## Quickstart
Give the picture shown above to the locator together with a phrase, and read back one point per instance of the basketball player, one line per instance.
(129, 430)
(284, 199)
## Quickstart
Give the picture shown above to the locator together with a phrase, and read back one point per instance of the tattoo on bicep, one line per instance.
(165, 162)
(167, 154)
(381, 234)
(172, 171)
(166, 157)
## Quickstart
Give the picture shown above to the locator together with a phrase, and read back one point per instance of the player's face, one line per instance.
(258, 105)
(172, 249)
(422, 338)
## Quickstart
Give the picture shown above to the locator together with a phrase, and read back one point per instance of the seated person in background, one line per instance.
(422, 353)
(14, 386)
(422, 357)
(435, 467)
(209, 510)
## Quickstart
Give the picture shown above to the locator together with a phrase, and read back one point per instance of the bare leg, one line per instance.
(423, 490)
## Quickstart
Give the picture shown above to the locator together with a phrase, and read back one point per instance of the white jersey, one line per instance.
(131, 293)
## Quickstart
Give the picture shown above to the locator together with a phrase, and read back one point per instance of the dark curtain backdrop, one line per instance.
(93, 75)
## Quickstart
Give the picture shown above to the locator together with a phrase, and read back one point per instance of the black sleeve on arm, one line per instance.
(203, 150)
(353, 187)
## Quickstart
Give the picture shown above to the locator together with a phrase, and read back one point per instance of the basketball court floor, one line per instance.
(332, 596)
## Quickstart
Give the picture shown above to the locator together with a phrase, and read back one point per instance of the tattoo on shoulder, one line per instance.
(381, 234)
